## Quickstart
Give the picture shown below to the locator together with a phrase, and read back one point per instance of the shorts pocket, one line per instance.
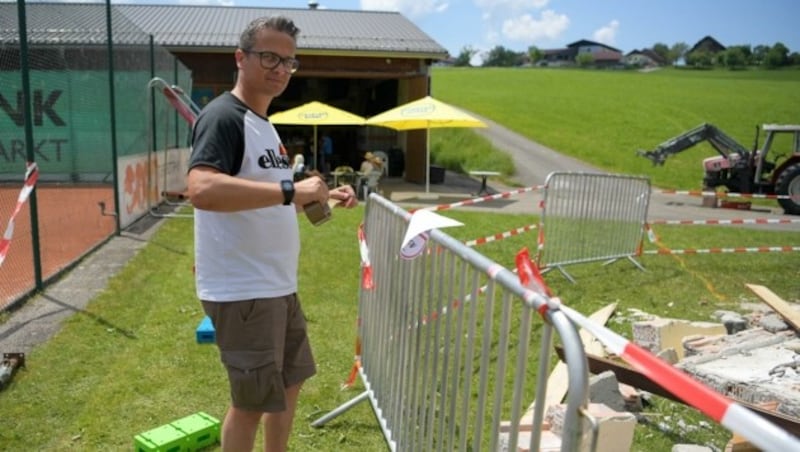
(256, 383)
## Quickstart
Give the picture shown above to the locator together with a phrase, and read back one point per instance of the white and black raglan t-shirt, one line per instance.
(252, 253)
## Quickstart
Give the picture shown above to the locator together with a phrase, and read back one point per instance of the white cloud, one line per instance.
(514, 5)
(608, 33)
(412, 8)
(477, 59)
(520, 20)
(528, 29)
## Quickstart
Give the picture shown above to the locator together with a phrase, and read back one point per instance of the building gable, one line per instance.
(585, 45)
(707, 44)
(644, 57)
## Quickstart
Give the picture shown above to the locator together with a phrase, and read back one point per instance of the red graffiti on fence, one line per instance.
(137, 183)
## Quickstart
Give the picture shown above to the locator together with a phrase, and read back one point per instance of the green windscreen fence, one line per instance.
(80, 132)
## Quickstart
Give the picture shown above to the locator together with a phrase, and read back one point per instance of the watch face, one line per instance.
(288, 191)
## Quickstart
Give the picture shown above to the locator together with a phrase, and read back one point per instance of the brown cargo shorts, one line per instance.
(263, 344)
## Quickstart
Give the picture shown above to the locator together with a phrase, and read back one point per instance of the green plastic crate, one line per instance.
(187, 434)
(161, 439)
(201, 429)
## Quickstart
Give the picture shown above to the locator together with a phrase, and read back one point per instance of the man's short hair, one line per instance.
(279, 23)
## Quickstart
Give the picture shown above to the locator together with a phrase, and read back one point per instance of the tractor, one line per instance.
(739, 169)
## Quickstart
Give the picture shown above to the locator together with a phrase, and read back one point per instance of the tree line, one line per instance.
(733, 57)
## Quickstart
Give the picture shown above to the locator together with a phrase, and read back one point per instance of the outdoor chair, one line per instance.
(344, 175)
(369, 183)
(384, 161)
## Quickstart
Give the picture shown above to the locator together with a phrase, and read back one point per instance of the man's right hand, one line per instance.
(309, 190)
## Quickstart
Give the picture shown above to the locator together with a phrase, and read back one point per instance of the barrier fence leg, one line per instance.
(636, 263)
(341, 409)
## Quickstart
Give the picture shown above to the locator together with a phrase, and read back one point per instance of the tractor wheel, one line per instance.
(788, 184)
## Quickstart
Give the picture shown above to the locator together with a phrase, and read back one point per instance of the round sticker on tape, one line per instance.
(414, 247)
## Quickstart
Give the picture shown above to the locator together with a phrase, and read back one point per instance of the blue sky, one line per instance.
(624, 24)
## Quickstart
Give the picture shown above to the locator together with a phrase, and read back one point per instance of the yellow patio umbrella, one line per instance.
(425, 113)
(316, 114)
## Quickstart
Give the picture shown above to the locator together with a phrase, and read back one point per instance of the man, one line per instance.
(247, 239)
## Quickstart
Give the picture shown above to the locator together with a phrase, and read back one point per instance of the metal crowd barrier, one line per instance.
(589, 217)
(445, 346)
(167, 167)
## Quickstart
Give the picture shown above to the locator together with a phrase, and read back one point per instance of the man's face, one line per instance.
(254, 71)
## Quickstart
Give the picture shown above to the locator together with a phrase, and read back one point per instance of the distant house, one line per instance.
(707, 44)
(644, 58)
(603, 55)
(705, 53)
(557, 57)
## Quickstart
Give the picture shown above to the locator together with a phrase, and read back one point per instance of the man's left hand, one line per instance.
(344, 196)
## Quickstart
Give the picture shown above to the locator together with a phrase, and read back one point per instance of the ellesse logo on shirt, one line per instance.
(272, 159)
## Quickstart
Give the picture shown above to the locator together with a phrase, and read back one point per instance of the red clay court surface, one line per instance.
(70, 224)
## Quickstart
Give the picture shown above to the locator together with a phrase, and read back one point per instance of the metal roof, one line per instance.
(586, 42)
(218, 27)
(66, 23)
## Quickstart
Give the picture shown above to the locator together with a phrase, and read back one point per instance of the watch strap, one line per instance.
(287, 187)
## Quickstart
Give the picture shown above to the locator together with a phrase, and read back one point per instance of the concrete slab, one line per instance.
(753, 366)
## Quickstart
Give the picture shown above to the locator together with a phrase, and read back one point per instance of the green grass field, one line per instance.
(604, 117)
(129, 362)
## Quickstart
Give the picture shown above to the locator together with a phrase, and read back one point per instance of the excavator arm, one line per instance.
(723, 143)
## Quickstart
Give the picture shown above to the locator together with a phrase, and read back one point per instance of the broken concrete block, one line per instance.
(772, 322)
(615, 428)
(662, 333)
(691, 448)
(632, 397)
(669, 355)
(733, 321)
(548, 442)
(525, 424)
(753, 366)
(604, 388)
(735, 343)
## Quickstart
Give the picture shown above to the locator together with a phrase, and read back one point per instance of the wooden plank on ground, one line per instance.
(558, 380)
(740, 444)
(590, 343)
(791, 315)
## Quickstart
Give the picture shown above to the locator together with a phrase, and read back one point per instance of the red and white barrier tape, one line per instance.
(500, 236)
(651, 235)
(481, 199)
(726, 194)
(351, 378)
(31, 176)
(367, 282)
(738, 249)
(728, 222)
(721, 409)
(540, 239)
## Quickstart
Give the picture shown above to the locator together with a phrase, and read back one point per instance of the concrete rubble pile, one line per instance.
(754, 359)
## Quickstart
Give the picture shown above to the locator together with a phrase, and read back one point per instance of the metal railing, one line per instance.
(589, 217)
(446, 340)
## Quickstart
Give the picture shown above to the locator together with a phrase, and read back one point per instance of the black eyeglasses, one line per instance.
(271, 60)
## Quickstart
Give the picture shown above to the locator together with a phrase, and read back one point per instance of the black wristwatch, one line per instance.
(287, 187)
